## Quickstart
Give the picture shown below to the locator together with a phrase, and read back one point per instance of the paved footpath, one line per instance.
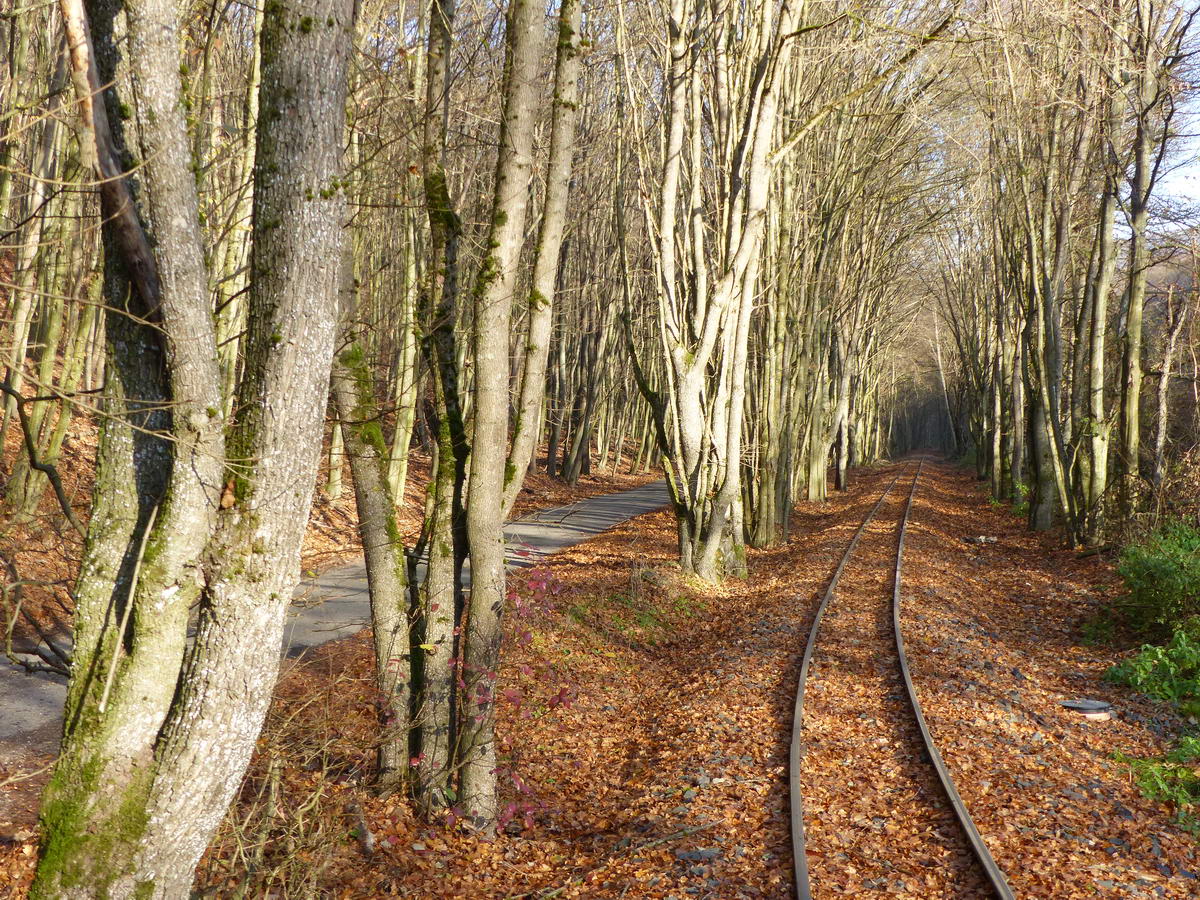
(330, 606)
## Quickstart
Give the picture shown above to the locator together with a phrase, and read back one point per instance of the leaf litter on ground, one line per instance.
(661, 768)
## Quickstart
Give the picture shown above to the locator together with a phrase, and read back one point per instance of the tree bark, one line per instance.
(490, 346)
(547, 253)
(122, 684)
(442, 537)
(274, 448)
(387, 568)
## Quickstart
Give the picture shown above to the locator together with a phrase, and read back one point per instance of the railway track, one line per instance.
(896, 790)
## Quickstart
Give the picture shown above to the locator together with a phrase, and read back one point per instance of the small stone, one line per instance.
(701, 855)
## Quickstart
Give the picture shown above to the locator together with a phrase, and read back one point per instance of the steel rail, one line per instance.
(982, 853)
(803, 885)
(795, 755)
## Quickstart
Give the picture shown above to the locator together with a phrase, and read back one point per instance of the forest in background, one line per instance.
(753, 243)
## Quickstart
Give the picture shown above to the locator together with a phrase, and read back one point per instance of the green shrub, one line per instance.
(1171, 780)
(1187, 752)
(1099, 629)
(1162, 578)
(1169, 673)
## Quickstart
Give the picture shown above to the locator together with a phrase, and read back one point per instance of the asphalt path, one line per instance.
(332, 605)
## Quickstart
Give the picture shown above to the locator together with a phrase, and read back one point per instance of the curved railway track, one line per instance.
(996, 884)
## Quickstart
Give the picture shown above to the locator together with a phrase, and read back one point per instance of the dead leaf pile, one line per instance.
(644, 748)
(993, 635)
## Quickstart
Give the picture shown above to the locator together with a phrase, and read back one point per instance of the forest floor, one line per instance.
(646, 725)
(44, 555)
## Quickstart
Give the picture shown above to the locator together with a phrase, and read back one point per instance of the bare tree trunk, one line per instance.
(941, 372)
(1176, 319)
(485, 503)
(547, 253)
(231, 301)
(137, 799)
(407, 375)
(442, 537)
(275, 441)
(123, 683)
(22, 295)
(387, 569)
(1097, 414)
(1156, 33)
(337, 460)
(1019, 435)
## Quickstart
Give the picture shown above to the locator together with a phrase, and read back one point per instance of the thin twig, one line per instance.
(35, 462)
(24, 776)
